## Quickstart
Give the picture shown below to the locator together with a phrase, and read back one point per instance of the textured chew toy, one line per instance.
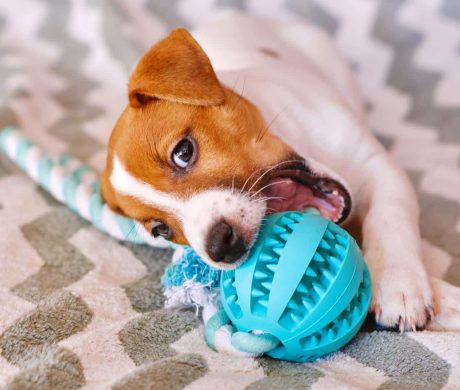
(320, 303)
(304, 291)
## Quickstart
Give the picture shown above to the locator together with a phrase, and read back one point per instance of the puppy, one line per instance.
(268, 120)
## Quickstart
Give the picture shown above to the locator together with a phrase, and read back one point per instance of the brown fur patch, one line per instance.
(175, 69)
(174, 92)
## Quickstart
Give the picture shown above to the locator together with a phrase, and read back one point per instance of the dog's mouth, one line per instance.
(295, 187)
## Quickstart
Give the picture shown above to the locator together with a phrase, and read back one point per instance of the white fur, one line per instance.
(197, 213)
(127, 184)
(320, 115)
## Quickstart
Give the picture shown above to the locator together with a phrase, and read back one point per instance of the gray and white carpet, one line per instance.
(78, 309)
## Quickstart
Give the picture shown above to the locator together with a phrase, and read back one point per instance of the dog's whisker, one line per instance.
(249, 177)
(439, 324)
(268, 185)
(240, 95)
(263, 132)
(269, 170)
(274, 166)
(269, 209)
(268, 198)
(236, 81)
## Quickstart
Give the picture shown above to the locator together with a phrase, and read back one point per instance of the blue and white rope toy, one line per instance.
(188, 282)
(74, 184)
(293, 299)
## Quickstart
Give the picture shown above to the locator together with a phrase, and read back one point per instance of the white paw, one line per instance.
(402, 298)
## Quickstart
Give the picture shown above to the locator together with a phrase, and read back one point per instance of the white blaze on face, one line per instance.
(197, 213)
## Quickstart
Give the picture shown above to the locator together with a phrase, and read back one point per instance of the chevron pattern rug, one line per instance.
(80, 310)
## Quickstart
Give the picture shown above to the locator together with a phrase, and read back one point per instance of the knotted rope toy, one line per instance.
(303, 292)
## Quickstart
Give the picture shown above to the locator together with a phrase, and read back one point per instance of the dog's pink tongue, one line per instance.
(288, 195)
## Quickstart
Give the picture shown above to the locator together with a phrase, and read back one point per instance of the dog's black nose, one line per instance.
(224, 244)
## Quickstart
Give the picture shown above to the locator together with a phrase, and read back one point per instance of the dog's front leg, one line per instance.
(392, 247)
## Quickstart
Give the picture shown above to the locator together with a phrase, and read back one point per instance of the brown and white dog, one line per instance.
(201, 164)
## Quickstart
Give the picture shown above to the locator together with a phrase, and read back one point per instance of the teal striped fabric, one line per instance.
(69, 185)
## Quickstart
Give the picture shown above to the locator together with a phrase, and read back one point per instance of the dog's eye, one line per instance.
(182, 154)
(161, 229)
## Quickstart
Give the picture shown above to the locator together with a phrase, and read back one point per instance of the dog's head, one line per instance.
(194, 162)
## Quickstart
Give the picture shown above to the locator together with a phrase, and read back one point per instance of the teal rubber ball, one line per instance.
(305, 282)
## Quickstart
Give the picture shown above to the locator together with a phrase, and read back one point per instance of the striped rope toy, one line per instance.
(74, 184)
(77, 186)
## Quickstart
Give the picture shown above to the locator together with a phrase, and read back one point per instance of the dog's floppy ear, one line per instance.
(175, 69)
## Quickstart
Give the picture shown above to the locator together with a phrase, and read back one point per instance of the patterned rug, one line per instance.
(78, 309)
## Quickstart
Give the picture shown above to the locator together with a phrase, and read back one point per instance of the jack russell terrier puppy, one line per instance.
(201, 164)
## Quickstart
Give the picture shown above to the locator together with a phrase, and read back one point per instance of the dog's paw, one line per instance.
(403, 300)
